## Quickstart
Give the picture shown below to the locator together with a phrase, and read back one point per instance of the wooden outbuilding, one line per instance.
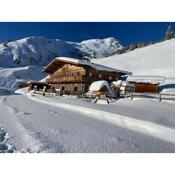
(146, 84)
(73, 77)
(37, 86)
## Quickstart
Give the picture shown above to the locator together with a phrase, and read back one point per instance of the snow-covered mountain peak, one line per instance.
(106, 42)
(101, 47)
(38, 50)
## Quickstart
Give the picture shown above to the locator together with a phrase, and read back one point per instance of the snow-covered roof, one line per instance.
(117, 83)
(146, 79)
(86, 63)
(120, 83)
(97, 85)
(168, 91)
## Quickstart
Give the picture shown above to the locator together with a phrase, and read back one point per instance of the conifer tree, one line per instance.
(169, 33)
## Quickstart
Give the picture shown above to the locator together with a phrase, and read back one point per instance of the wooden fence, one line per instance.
(159, 96)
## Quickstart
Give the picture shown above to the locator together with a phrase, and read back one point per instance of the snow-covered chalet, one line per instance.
(74, 76)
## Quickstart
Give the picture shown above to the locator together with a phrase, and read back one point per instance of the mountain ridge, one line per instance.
(38, 50)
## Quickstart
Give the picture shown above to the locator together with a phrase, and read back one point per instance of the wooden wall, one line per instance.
(70, 88)
(146, 87)
(95, 75)
(68, 73)
(75, 79)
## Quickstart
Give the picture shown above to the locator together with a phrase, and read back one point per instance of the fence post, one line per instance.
(131, 95)
(160, 98)
(96, 99)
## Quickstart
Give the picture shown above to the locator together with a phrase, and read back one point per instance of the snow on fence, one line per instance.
(166, 96)
(160, 96)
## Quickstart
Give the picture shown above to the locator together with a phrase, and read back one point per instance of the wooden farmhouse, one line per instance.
(73, 77)
(146, 84)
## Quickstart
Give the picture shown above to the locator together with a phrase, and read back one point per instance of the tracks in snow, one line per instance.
(32, 144)
(4, 147)
(140, 126)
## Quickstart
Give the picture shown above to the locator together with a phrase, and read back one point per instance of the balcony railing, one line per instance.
(65, 79)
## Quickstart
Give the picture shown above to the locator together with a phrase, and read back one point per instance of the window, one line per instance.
(62, 88)
(75, 88)
(110, 78)
(90, 74)
(100, 75)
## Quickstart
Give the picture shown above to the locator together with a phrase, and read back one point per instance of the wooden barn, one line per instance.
(73, 77)
(146, 84)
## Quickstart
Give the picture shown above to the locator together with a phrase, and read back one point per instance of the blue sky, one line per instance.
(126, 33)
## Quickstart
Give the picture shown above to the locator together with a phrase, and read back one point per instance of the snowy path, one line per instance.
(141, 126)
(38, 127)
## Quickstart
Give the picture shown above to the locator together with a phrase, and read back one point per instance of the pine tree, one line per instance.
(132, 47)
(169, 33)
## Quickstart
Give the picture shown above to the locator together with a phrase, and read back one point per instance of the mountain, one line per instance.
(38, 50)
(22, 60)
(98, 48)
(155, 59)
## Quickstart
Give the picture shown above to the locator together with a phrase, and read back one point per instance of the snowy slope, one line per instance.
(40, 50)
(10, 77)
(157, 59)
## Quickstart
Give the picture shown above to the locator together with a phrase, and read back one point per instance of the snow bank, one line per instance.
(140, 126)
(22, 91)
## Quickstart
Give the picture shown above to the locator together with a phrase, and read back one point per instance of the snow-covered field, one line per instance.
(157, 59)
(70, 124)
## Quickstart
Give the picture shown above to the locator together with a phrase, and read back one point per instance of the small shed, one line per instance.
(144, 84)
(37, 85)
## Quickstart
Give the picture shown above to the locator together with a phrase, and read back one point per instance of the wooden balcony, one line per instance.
(55, 80)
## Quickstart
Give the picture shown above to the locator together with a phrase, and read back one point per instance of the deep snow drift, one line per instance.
(156, 59)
